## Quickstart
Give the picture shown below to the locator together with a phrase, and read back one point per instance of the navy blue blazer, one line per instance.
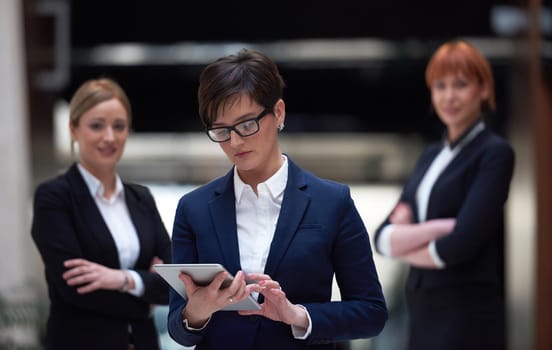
(319, 233)
(67, 224)
(473, 188)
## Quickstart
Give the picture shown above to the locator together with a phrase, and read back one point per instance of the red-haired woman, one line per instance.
(448, 224)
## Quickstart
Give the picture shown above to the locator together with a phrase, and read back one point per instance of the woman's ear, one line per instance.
(485, 97)
(72, 131)
(280, 112)
(485, 92)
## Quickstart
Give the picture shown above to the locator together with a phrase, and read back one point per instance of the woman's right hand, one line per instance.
(88, 276)
(203, 301)
(402, 214)
(154, 261)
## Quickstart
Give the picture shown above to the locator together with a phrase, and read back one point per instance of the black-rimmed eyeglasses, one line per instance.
(245, 128)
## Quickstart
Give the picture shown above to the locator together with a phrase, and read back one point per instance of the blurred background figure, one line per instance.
(99, 237)
(449, 222)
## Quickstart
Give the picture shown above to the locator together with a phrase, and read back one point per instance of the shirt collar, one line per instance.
(467, 136)
(95, 186)
(276, 184)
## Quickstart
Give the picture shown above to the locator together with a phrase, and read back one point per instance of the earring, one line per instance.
(281, 127)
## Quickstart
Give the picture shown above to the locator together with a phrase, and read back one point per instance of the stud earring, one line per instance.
(281, 127)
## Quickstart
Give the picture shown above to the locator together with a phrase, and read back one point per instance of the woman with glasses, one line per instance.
(282, 232)
(99, 236)
(448, 224)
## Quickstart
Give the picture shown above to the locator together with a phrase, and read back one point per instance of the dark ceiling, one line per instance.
(167, 21)
(381, 96)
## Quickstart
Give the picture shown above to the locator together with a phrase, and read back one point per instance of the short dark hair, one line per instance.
(226, 80)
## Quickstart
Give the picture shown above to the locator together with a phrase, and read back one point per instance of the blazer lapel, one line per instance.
(140, 220)
(93, 218)
(466, 152)
(291, 213)
(419, 174)
(456, 162)
(223, 215)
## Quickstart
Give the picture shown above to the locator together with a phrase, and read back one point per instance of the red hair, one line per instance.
(459, 56)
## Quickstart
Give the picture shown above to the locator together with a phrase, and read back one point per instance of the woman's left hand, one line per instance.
(276, 306)
(90, 276)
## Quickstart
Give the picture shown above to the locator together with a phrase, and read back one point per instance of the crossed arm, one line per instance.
(411, 241)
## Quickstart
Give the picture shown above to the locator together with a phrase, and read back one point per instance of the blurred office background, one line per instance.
(358, 112)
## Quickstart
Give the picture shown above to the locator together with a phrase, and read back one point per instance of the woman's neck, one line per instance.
(107, 178)
(266, 171)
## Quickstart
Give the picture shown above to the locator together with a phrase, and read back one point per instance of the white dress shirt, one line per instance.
(256, 218)
(441, 161)
(115, 213)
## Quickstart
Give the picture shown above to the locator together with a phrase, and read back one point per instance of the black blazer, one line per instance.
(473, 188)
(462, 305)
(67, 224)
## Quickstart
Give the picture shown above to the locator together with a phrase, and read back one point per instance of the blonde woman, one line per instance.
(98, 236)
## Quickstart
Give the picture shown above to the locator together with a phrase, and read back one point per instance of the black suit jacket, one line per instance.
(462, 305)
(473, 188)
(67, 224)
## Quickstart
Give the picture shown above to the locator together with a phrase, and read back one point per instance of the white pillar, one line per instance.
(16, 249)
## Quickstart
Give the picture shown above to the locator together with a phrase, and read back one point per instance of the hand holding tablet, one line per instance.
(202, 275)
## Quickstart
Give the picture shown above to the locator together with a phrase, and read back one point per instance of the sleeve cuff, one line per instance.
(383, 243)
(435, 256)
(185, 323)
(138, 290)
(302, 333)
